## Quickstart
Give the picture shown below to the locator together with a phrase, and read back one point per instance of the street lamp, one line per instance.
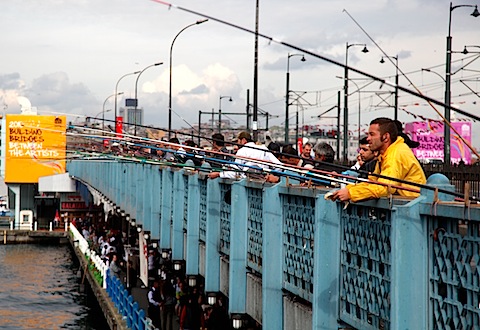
(448, 73)
(103, 110)
(98, 114)
(220, 111)
(116, 93)
(287, 93)
(465, 50)
(438, 74)
(359, 107)
(395, 113)
(136, 99)
(170, 78)
(345, 98)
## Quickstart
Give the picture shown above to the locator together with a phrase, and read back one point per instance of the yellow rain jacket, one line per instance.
(399, 162)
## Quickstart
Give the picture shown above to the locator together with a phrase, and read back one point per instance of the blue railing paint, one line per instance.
(127, 307)
(379, 264)
(225, 212)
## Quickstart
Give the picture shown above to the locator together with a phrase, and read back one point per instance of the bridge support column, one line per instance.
(326, 264)
(139, 196)
(237, 281)
(177, 214)
(193, 225)
(147, 198)
(409, 306)
(156, 201)
(165, 228)
(212, 239)
(272, 248)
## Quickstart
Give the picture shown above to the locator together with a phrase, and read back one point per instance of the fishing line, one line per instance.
(129, 138)
(321, 57)
(416, 88)
(311, 173)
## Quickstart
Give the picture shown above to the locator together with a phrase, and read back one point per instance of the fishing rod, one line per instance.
(322, 175)
(128, 138)
(303, 175)
(311, 173)
(326, 175)
(257, 169)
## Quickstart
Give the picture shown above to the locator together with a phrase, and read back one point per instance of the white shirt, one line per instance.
(251, 150)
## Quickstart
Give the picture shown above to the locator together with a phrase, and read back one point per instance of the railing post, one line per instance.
(410, 255)
(139, 193)
(165, 228)
(212, 239)
(238, 249)
(177, 214)
(409, 278)
(147, 198)
(156, 199)
(128, 196)
(272, 258)
(193, 225)
(326, 264)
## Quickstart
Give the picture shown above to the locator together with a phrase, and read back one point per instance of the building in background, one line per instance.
(131, 115)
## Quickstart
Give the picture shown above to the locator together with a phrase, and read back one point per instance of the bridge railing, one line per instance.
(388, 263)
(127, 307)
(453, 271)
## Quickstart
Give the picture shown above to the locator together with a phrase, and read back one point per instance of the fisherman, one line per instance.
(253, 151)
(396, 160)
(367, 160)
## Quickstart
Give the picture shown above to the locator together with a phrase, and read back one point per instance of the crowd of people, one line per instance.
(172, 301)
(385, 159)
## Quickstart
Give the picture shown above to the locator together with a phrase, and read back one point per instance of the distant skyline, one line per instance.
(66, 57)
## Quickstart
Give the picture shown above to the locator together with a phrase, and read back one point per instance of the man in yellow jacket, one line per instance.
(396, 160)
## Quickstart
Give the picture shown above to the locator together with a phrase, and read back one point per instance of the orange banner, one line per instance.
(35, 147)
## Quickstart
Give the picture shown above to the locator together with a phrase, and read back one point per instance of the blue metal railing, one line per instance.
(225, 212)
(388, 264)
(255, 221)
(127, 307)
(203, 209)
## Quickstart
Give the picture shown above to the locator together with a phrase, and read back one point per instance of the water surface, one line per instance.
(40, 289)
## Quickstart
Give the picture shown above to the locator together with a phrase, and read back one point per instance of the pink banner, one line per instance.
(430, 135)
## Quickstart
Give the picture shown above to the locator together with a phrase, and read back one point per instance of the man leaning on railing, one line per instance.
(396, 160)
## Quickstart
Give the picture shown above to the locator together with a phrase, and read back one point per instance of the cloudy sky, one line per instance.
(67, 56)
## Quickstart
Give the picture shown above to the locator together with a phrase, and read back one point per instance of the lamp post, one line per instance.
(220, 111)
(345, 98)
(448, 73)
(287, 93)
(170, 75)
(136, 99)
(103, 110)
(466, 51)
(395, 113)
(98, 114)
(359, 107)
(438, 74)
(116, 93)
